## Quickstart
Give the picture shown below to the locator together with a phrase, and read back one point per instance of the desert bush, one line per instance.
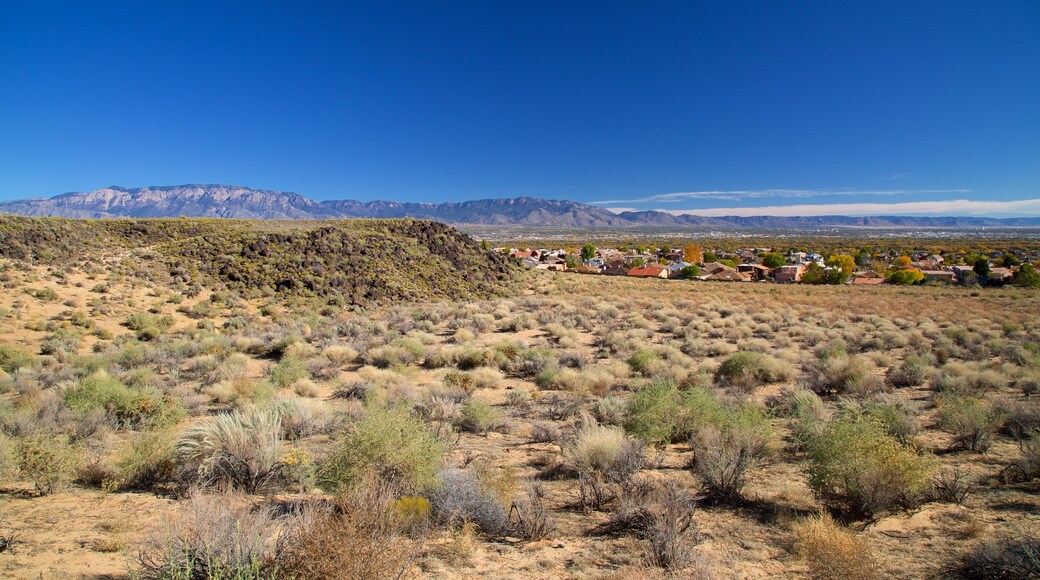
(958, 379)
(215, 537)
(301, 418)
(951, 485)
(61, 344)
(479, 417)
(722, 459)
(288, 371)
(746, 370)
(14, 357)
(1021, 418)
(531, 516)
(660, 412)
(805, 409)
(898, 417)
(609, 410)
(48, 461)
(362, 534)
(147, 326)
(912, 372)
(604, 457)
(519, 399)
(241, 450)
(645, 362)
(459, 497)
(399, 448)
(856, 465)
(148, 460)
(831, 550)
(129, 408)
(970, 420)
(1011, 556)
(833, 372)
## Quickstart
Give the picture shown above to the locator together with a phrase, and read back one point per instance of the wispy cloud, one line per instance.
(954, 207)
(901, 175)
(741, 194)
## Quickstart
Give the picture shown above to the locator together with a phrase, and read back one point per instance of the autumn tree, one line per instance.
(693, 254)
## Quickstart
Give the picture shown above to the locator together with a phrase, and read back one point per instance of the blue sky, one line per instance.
(924, 107)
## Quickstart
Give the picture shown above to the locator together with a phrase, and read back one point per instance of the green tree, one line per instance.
(710, 257)
(814, 274)
(690, 272)
(981, 267)
(773, 260)
(1010, 260)
(906, 276)
(587, 252)
(1027, 276)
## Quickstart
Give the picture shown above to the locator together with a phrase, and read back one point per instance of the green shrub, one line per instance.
(289, 370)
(47, 460)
(14, 357)
(856, 465)
(971, 421)
(662, 413)
(129, 408)
(148, 460)
(912, 372)
(479, 417)
(747, 370)
(644, 362)
(399, 448)
(147, 326)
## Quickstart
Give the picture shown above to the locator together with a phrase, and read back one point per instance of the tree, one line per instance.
(981, 267)
(906, 276)
(587, 252)
(843, 262)
(690, 272)
(710, 257)
(1027, 276)
(1010, 260)
(773, 260)
(638, 263)
(814, 274)
(693, 254)
(902, 262)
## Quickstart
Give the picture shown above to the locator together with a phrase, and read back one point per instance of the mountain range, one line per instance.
(229, 201)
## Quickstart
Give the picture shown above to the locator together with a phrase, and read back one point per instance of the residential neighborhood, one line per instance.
(766, 265)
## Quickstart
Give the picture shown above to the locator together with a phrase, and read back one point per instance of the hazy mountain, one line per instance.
(229, 201)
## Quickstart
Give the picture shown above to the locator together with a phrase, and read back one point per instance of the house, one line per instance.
(553, 265)
(960, 271)
(712, 267)
(1000, 274)
(789, 273)
(586, 269)
(615, 268)
(944, 276)
(530, 263)
(754, 271)
(597, 263)
(651, 271)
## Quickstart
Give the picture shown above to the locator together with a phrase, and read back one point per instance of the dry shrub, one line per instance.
(832, 551)
(604, 458)
(723, 458)
(971, 421)
(1015, 556)
(834, 372)
(362, 535)
(236, 449)
(215, 537)
(532, 519)
(746, 370)
(951, 485)
(460, 497)
(671, 533)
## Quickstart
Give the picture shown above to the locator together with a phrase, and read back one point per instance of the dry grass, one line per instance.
(830, 550)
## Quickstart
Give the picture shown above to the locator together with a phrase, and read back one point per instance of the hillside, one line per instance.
(353, 262)
(229, 201)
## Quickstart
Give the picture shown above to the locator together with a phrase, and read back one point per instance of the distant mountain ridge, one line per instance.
(231, 201)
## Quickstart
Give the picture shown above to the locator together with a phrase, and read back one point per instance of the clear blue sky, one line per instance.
(680, 106)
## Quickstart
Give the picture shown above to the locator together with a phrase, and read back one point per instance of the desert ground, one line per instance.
(584, 427)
